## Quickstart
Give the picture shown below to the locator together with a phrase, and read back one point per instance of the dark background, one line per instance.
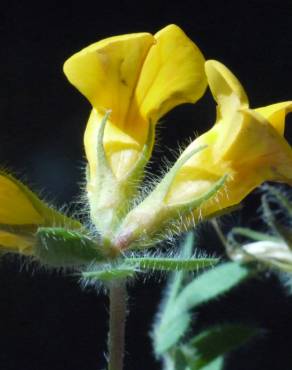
(46, 321)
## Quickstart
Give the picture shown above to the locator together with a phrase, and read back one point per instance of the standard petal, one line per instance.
(276, 114)
(223, 84)
(172, 74)
(107, 72)
(139, 78)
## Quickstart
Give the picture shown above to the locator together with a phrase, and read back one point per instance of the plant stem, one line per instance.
(117, 321)
(219, 232)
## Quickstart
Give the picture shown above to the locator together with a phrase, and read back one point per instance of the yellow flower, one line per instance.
(138, 78)
(21, 213)
(246, 144)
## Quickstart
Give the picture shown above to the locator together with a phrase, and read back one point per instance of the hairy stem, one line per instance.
(117, 321)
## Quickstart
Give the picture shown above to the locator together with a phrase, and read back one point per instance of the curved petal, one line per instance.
(172, 74)
(270, 152)
(254, 153)
(107, 72)
(16, 243)
(139, 77)
(223, 84)
(15, 206)
(276, 114)
(20, 206)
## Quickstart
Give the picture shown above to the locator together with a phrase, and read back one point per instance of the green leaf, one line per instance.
(217, 364)
(60, 247)
(179, 362)
(109, 272)
(177, 359)
(215, 342)
(170, 332)
(210, 284)
(171, 264)
(160, 341)
(207, 286)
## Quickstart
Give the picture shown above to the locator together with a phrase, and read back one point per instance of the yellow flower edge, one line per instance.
(16, 243)
(22, 212)
(138, 77)
(246, 144)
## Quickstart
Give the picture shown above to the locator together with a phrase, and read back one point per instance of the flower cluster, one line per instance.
(131, 81)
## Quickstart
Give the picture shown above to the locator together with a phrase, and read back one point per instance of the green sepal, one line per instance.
(213, 343)
(165, 184)
(60, 247)
(102, 162)
(135, 175)
(198, 201)
(118, 192)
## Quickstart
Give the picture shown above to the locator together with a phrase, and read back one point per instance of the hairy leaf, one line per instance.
(161, 342)
(60, 247)
(207, 286)
(171, 264)
(215, 342)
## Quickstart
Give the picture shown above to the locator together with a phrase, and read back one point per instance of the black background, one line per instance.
(46, 321)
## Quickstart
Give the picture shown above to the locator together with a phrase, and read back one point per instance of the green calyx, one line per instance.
(154, 217)
(59, 247)
(112, 197)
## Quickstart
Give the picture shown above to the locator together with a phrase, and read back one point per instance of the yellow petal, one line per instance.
(122, 151)
(200, 172)
(139, 77)
(15, 206)
(254, 153)
(20, 206)
(269, 151)
(248, 145)
(107, 72)
(172, 74)
(276, 114)
(16, 243)
(223, 84)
